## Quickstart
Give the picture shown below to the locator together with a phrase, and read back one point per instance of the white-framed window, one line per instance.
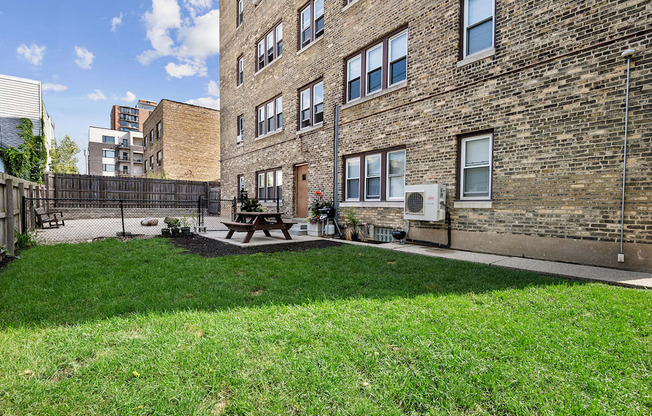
(372, 177)
(108, 168)
(240, 126)
(108, 153)
(270, 47)
(353, 78)
(241, 183)
(311, 105)
(479, 21)
(151, 162)
(476, 167)
(269, 185)
(240, 70)
(158, 130)
(269, 116)
(108, 139)
(397, 67)
(395, 175)
(311, 19)
(240, 18)
(278, 184)
(151, 136)
(159, 157)
(145, 170)
(372, 70)
(352, 181)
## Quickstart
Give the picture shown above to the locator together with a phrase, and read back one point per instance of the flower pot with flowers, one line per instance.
(315, 222)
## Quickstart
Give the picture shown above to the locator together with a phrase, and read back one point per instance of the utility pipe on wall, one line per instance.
(627, 55)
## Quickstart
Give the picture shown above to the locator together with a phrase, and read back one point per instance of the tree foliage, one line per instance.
(63, 156)
(29, 159)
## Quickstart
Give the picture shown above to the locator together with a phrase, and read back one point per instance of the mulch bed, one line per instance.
(208, 247)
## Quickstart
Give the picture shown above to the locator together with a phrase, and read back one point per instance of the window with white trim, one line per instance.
(108, 139)
(479, 16)
(108, 168)
(240, 70)
(377, 176)
(269, 117)
(108, 153)
(269, 185)
(270, 47)
(240, 17)
(151, 136)
(377, 67)
(311, 105)
(151, 163)
(159, 157)
(311, 22)
(158, 130)
(240, 136)
(145, 170)
(476, 167)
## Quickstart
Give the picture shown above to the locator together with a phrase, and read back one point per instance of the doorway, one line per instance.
(301, 208)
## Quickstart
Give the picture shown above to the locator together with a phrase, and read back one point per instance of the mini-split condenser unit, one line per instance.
(425, 202)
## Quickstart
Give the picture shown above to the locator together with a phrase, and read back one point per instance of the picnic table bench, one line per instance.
(250, 222)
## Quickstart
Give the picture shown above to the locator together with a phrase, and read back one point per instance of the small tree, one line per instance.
(63, 156)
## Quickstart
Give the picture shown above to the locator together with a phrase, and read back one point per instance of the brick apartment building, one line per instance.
(182, 141)
(125, 118)
(114, 152)
(517, 108)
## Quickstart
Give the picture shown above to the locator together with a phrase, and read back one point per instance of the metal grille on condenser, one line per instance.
(414, 202)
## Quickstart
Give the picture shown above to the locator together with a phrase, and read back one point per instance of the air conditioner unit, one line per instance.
(239, 139)
(425, 202)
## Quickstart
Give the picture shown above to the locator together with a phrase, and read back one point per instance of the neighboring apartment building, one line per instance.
(182, 141)
(23, 98)
(125, 118)
(518, 109)
(115, 152)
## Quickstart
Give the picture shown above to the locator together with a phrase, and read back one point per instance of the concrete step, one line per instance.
(299, 228)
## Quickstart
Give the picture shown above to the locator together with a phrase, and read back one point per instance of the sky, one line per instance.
(90, 55)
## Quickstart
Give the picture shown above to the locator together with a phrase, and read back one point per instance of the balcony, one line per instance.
(138, 159)
(122, 159)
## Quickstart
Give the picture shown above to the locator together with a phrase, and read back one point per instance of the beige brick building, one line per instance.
(182, 141)
(517, 108)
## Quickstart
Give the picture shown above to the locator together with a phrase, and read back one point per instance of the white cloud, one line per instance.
(130, 97)
(182, 33)
(96, 95)
(54, 87)
(115, 22)
(33, 53)
(84, 57)
(213, 89)
(209, 102)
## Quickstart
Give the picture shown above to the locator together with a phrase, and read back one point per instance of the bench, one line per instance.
(51, 218)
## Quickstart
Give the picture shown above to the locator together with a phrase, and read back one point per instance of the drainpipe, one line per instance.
(627, 55)
(336, 143)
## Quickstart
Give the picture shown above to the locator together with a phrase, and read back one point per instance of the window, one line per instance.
(151, 136)
(347, 2)
(311, 19)
(241, 183)
(269, 185)
(108, 168)
(108, 153)
(240, 70)
(270, 47)
(145, 165)
(125, 169)
(478, 26)
(151, 162)
(269, 115)
(353, 179)
(383, 172)
(158, 130)
(311, 101)
(240, 17)
(476, 166)
(240, 137)
(388, 56)
(159, 157)
(108, 139)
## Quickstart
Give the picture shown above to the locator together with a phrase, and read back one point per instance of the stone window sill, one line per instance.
(478, 56)
(372, 204)
(309, 129)
(472, 204)
(348, 6)
(274, 133)
(393, 88)
(270, 203)
(305, 48)
(268, 65)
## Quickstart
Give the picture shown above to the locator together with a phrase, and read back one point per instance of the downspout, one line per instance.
(336, 143)
(621, 256)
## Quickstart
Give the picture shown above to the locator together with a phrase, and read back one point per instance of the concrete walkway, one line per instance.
(566, 270)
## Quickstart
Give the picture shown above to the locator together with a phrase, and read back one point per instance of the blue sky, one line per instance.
(91, 55)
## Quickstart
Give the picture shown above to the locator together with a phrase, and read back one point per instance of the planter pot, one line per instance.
(175, 232)
(316, 230)
(185, 230)
(355, 237)
(165, 232)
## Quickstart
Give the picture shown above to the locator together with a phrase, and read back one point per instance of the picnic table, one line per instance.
(250, 222)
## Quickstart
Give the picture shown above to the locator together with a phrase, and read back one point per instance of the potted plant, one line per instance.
(353, 231)
(173, 226)
(251, 205)
(185, 223)
(315, 224)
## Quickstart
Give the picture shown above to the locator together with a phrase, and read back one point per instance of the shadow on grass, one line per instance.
(68, 284)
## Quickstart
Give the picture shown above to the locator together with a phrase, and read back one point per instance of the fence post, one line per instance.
(122, 215)
(21, 216)
(9, 219)
(199, 219)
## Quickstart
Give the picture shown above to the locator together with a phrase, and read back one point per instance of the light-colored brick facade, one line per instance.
(188, 142)
(551, 91)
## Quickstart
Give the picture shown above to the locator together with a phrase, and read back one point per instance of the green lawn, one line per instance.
(115, 328)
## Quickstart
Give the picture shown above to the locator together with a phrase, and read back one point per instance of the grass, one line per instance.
(139, 328)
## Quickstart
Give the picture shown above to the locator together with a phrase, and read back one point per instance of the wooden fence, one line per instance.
(12, 191)
(95, 187)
